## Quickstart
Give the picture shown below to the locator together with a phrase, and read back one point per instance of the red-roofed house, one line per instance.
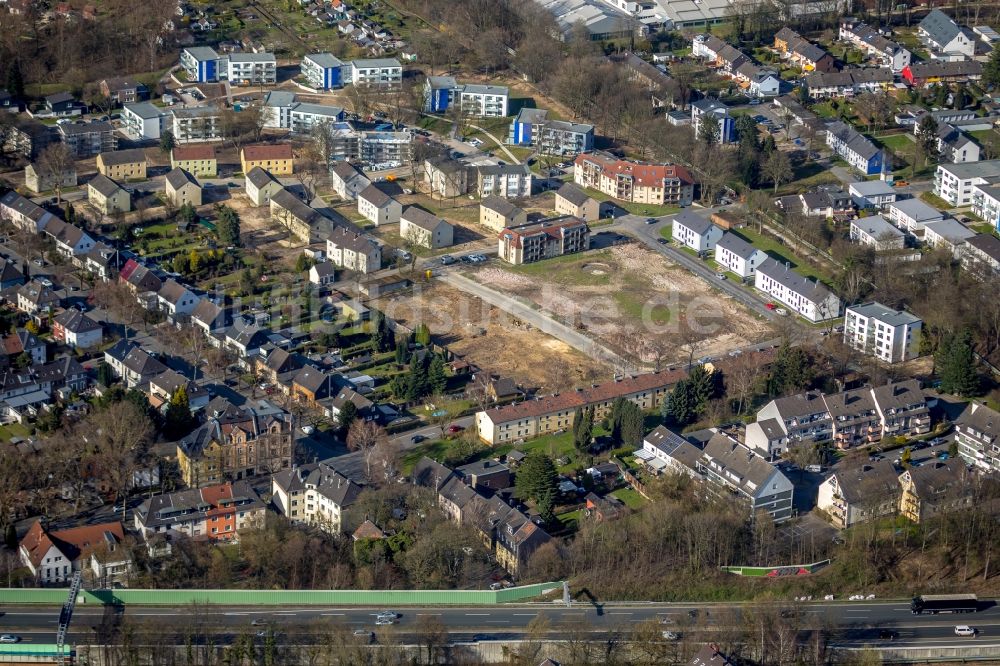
(634, 181)
(548, 238)
(53, 556)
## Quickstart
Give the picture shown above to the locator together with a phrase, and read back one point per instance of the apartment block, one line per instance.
(892, 336)
(634, 181)
(805, 296)
(543, 240)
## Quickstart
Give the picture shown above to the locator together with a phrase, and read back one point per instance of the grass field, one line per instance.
(783, 253)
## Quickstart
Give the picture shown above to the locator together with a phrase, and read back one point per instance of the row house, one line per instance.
(293, 214)
(132, 364)
(23, 213)
(876, 46)
(724, 56)
(637, 182)
(736, 255)
(849, 418)
(70, 240)
(805, 296)
(542, 415)
(544, 240)
(802, 52)
(926, 74)
(316, 494)
(236, 442)
(849, 82)
(856, 149)
(696, 232)
(216, 513)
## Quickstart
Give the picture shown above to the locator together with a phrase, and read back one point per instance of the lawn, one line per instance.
(782, 253)
(935, 200)
(567, 269)
(433, 450)
(13, 430)
(667, 232)
(629, 497)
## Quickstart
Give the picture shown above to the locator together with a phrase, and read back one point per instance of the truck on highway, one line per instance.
(944, 603)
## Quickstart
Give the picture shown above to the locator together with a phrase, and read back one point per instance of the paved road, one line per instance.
(854, 622)
(536, 318)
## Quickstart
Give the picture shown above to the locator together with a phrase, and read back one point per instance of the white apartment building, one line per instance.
(377, 71)
(323, 71)
(804, 296)
(142, 120)
(354, 251)
(955, 182)
(695, 232)
(196, 124)
(510, 181)
(986, 203)
(738, 256)
(314, 494)
(484, 101)
(912, 214)
(892, 336)
(877, 233)
(252, 69)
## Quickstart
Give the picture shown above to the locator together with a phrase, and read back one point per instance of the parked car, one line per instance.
(651, 220)
(308, 430)
(416, 439)
(447, 260)
(454, 428)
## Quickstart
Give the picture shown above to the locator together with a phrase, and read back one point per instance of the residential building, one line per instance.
(421, 228)
(70, 240)
(802, 52)
(570, 199)
(199, 161)
(532, 418)
(726, 124)
(381, 72)
(196, 125)
(935, 72)
(446, 177)
(982, 254)
(883, 50)
(733, 468)
(261, 186)
(877, 233)
(182, 188)
(139, 278)
(121, 90)
(88, 139)
(479, 101)
(107, 196)
(955, 182)
(61, 104)
(24, 213)
(665, 451)
(314, 494)
(857, 493)
(123, 164)
(28, 138)
(163, 386)
(252, 69)
(20, 342)
(175, 299)
(354, 251)
(216, 513)
(805, 296)
(954, 145)
(738, 256)
(903, 409)
(497, 214)
(634, 181)
(695, 232)
(53, 556)
(38, 180)
(132, 364)
(857, 150)
(236, 442)
(75, 329)
(294, 215)
(976, 434)
(532, 127)
(787, 421)
(872, 194)
(912, 214)
(209, 316)
(201, 64)
(381, 150)
(947, 234)
(946, 38)
(934, 488)
(276, 159)
(323, 71)
(892, 336)
(10, 274)
(985, 202)
(322, 274)
(283, 111)
(544, 240)
(854, 417)
(510, 181)
(311, 384)
(378, 207)
(347, 180)
(142, 121)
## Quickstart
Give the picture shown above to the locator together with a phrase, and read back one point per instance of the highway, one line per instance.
(850, 623)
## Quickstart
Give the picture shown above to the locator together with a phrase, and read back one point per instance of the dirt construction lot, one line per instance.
(493, 340)
(634, 301)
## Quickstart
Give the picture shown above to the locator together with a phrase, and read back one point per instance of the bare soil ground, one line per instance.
(634, 301)
(493, 340)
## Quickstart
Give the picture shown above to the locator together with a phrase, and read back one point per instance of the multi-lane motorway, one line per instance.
(851, 623)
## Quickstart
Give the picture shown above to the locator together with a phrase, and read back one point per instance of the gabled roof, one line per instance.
(739, 465)
(208, 312)
(131, 156)
(736, 245)
(177, 178)
(274, 151)
(104, 185)
(939, 480)
(939, 27)
(374, 195)
(573, 193)
(259, 178)
(981, 419)
(193, 151)
(77, 322)
(696, 223)
(72, 543)
(172, 291)
(793, 281)
(867, 482)
(905, 395)
(421, 218)
(500, 205)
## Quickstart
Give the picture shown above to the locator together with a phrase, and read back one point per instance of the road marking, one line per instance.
(619, 613)
(329, 614)
(525, 614)
(476, 614)
(429, 614)
(497, 621)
